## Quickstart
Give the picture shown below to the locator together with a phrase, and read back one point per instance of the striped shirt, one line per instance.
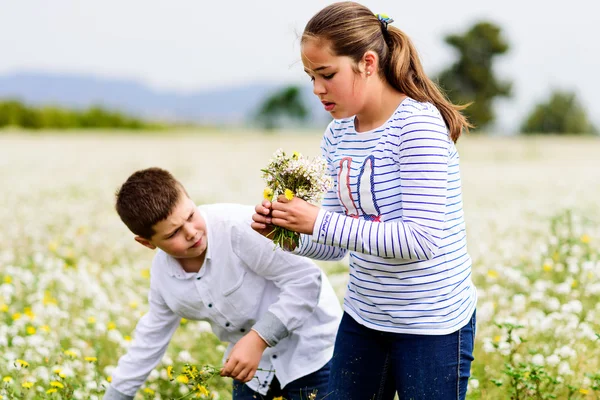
(396, 207)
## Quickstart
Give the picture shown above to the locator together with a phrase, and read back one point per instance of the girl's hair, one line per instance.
(351, 30)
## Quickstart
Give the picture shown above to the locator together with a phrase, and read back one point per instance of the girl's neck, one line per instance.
(379, 107)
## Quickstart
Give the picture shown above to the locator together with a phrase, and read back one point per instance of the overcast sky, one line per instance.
(195, 44)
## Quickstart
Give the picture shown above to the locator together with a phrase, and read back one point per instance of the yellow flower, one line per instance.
(21, 363)
(27, 385)
(183, 321)
(574, 284)
(295, 155)
(30, 330)
(202, 390)
(57, 384)
(583, 391)
(585, 239)
(29, 313)
(127, 338)
(289, 194)
(133, 304)
(170, 372)
(70, 353)
(182, 379)
(16, 316)
(91, 359)
(111, 325)
(91, 320)
(497, 338)
(145, 273)
(49, 391)
(268, 194)
(3, 307)
(109, 379)
(7, 379)
(492, 274)
(7, 279)
(149, 391)
(547, 267)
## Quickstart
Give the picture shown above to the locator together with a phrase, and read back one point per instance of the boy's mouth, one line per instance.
(197, 243)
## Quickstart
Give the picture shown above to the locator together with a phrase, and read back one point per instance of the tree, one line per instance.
(562, 114)
(286, 103)
(471, 79)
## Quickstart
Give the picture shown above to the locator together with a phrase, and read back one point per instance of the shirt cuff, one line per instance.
(270, 329)
(114, 394)
(321, 225)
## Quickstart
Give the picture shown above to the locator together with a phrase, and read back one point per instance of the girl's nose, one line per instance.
(318, 88)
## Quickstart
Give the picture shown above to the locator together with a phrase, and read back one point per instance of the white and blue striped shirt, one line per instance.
(396, 206)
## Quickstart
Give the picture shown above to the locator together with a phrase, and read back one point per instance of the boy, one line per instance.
(277, 310)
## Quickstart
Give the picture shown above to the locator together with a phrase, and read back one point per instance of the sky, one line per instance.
(194, 45)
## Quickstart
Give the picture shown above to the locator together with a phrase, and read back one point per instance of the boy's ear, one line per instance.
(145, 242)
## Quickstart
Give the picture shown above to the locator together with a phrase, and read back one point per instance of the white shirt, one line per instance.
(243, 284)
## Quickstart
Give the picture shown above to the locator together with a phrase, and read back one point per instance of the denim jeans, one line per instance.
(372, 365)
(299, 389)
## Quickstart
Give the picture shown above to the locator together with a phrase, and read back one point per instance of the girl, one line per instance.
(396, 207)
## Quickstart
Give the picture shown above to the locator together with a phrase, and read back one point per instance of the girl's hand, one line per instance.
(261, 220)
(296, 215)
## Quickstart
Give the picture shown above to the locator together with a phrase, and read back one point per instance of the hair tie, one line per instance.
(384, 19)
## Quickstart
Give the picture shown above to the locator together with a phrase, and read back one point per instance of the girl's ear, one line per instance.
(370, 62)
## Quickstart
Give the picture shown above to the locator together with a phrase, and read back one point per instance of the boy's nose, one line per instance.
(190, 232)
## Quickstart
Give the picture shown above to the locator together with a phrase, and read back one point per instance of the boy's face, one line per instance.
(182, 234)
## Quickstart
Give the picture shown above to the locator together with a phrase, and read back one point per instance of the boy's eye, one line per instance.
(191, 216)
(173, 234)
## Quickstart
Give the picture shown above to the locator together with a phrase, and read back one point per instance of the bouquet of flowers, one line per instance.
(294, 176)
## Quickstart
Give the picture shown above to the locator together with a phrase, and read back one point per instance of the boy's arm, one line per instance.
(298, 278)
(151, 338)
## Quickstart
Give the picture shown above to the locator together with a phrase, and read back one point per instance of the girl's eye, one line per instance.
(312, 78)
(328, 77)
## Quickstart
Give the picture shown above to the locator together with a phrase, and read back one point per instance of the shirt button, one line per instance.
(199, 278)
(227, 324)
(274, 355)
(242, 330)
(209, 305)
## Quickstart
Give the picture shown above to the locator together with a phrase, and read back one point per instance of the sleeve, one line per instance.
(423, 156)
(151, 338)
(309, 247)
(298, 278)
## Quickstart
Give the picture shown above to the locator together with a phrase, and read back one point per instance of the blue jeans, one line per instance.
(295, 390)
(372, 365)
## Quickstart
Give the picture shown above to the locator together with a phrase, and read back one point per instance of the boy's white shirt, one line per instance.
(242, 280)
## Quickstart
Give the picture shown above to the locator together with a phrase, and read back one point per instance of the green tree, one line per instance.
(561, 114)
(471, 79)
(286, 103)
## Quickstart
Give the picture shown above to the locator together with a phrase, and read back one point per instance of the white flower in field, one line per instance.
(91, 385)
(184, 356)
(519, 303)
(18, 341)
(167, 360)
(154, 375)
(538, 359)
(504, 348)
(42, 373)
(183, 389)
(564, 368)
(573, 306)
(573, 267)
(566, 352)
(473, 383)
(552, 304)
(553, 360)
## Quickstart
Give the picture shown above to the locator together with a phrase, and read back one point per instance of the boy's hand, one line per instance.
(244, 357)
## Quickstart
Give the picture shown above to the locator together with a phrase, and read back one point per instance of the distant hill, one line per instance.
(234, 105)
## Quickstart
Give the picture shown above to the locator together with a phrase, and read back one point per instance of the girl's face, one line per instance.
(335, 82)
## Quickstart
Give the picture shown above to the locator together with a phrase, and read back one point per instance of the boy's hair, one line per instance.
(352, 29)
(147, 197)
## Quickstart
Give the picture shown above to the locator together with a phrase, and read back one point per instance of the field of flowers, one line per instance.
(73, 282)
